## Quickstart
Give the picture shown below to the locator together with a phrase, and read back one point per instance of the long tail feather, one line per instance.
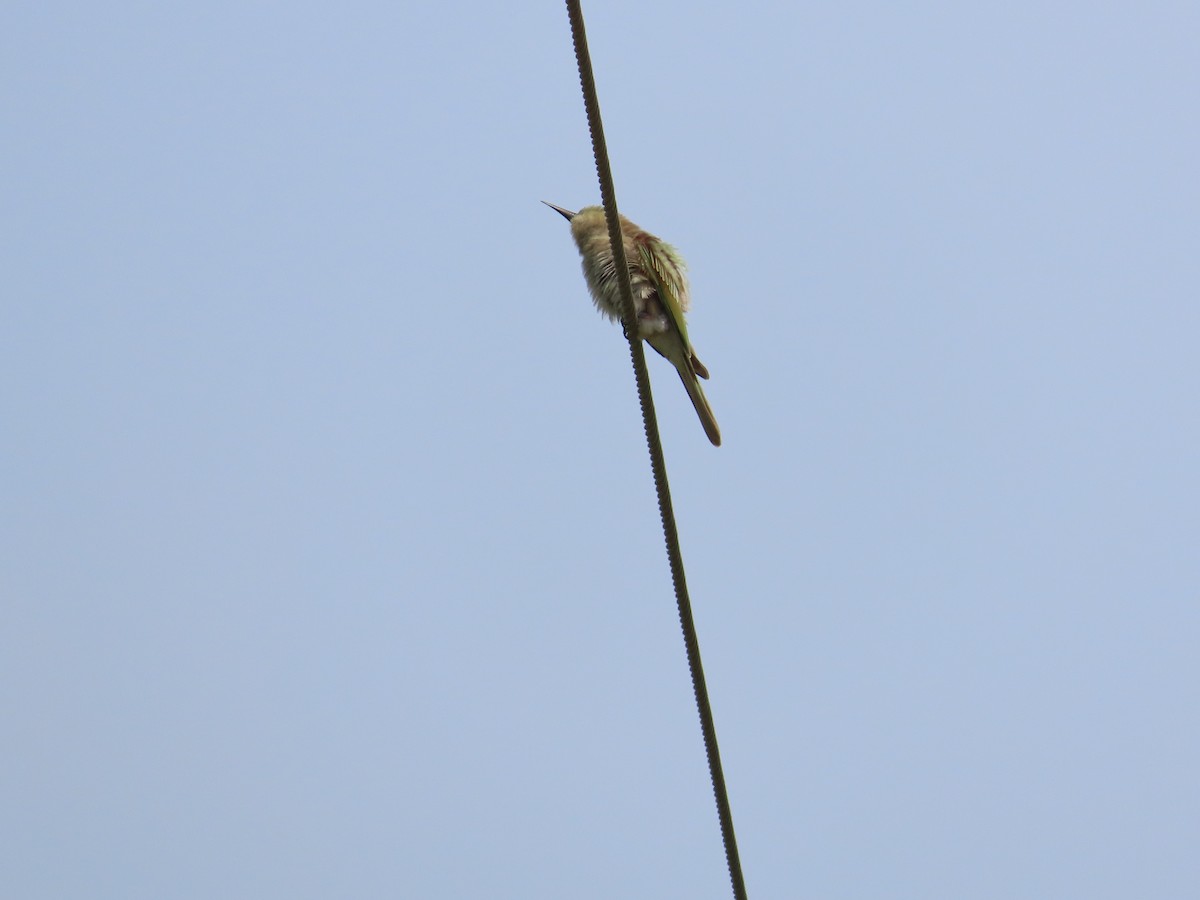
(703, 410)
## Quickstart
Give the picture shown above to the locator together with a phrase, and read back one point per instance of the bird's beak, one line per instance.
(566, 213)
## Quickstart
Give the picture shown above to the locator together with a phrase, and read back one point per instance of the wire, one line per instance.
(654, 442)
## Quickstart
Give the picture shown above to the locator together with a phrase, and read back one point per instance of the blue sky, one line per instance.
(331, 564)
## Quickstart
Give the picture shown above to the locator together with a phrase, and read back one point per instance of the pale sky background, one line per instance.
(331, 561)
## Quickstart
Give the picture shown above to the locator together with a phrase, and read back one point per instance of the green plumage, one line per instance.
(660, 295)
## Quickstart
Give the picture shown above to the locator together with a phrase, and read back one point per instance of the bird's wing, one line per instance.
(668, 293)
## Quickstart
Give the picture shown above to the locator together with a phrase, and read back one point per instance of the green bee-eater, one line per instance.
(660, 295)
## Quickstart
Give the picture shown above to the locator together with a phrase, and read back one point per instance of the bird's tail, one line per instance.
(703, 410)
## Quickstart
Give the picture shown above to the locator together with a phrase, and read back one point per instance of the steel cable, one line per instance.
(657, 460)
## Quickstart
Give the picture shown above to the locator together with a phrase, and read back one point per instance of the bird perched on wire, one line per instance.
(660, 295)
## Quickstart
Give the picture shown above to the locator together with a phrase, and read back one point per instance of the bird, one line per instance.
(660, 295)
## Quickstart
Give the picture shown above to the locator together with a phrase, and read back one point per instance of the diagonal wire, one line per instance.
(658, 462)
